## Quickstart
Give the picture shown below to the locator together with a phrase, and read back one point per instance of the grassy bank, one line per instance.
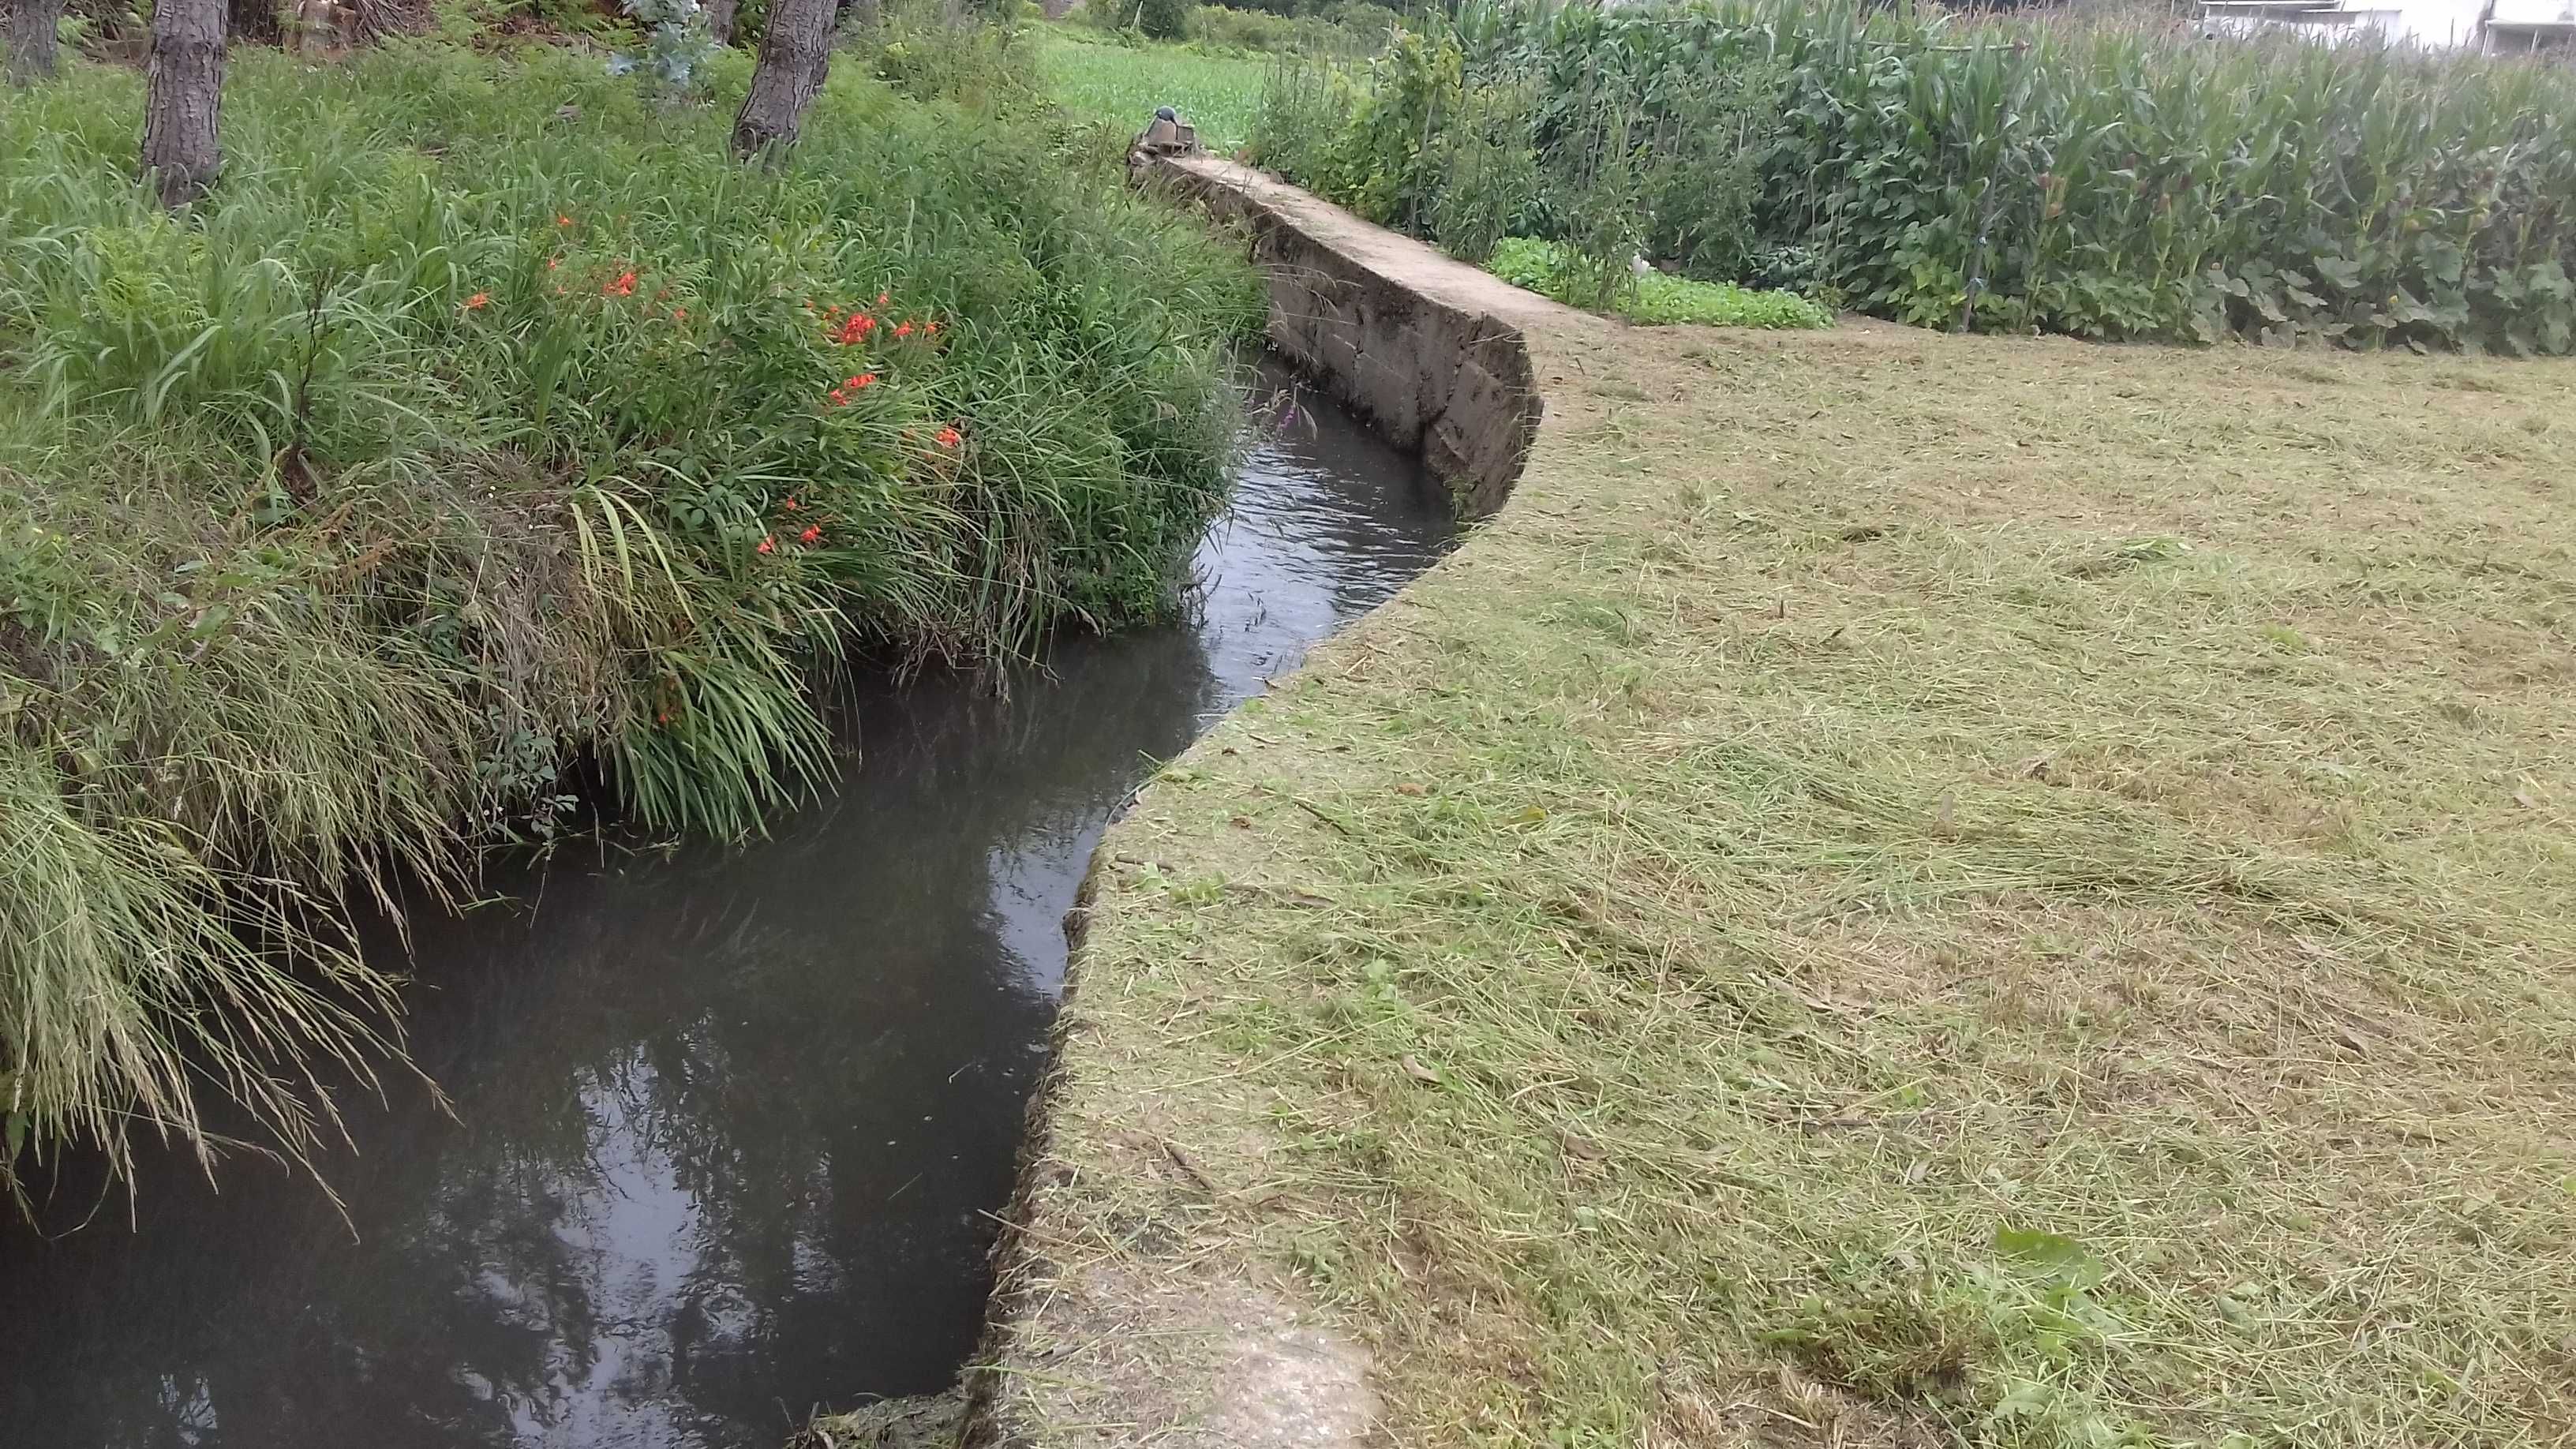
(1123, 81)
(1908, 890)
(486, 420)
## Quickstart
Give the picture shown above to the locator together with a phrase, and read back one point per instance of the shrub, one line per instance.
(1553, 270)
(1158, 19)
(1490, 178)
(1234, 29)
(453, 440)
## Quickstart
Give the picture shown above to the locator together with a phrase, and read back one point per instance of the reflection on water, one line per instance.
(727, 1126)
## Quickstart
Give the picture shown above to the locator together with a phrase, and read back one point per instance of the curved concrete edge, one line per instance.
(1435, 355)
(1428, 350)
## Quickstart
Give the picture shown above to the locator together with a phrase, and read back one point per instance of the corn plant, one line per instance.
(2110, 180)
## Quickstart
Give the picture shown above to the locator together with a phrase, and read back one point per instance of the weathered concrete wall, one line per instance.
(1428, 350)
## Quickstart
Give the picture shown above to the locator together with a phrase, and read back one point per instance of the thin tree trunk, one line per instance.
(720, 15)
(182, 85)
(795, 50)
(28, 27)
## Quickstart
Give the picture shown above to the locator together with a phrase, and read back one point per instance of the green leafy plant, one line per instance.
(1654, 297)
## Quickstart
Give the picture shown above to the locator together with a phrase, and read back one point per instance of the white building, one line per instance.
(2499, 26)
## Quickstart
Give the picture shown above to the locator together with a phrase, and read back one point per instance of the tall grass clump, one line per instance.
(487, 420)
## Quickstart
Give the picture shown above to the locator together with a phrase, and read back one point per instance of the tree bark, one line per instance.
(795, 51)
(720, 15)
(254, 21)
(28, 28)
(183, 83)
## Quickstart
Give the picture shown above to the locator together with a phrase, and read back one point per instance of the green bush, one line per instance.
(1551, 269)
(1233, 29)
(1158, 19)
(455, 438)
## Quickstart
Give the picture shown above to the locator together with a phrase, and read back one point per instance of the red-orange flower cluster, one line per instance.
(478, 301)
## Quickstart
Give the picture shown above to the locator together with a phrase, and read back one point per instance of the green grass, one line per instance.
(1907, 890)
(1657, 298)
(454, 440)
(1122, 83)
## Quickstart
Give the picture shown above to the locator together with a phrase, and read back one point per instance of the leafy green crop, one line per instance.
(1655, 297)
(2115, 181)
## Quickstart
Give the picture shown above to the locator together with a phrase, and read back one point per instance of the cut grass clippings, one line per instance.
(1907, 890)
(1123, 82)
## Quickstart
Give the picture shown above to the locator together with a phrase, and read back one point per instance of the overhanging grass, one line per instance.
(1121, 82)
(1908, 890)
(485, 419)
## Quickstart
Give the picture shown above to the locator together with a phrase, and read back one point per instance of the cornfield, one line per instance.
(2117, 181)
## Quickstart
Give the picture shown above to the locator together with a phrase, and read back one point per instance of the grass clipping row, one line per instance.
(1908, 890)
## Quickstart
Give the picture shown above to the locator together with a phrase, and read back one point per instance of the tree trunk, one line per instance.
(29, 26)
(182, 85)
(720, 15)
(253, 21)
(795, 50)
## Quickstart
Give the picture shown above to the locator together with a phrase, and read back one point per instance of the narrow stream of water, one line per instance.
(728, 1127)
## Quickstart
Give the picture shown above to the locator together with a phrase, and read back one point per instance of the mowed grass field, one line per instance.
(1908, 890)
(1104, 80)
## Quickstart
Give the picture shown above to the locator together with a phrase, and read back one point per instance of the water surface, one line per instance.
(729, 1126)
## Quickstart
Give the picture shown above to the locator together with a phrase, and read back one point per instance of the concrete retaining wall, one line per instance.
(1429, 351)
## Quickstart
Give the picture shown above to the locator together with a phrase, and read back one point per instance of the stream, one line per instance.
(728, 1126)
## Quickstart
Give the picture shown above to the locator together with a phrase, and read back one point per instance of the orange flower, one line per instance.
(624, 286)
(791, 505)
(930, 327)
(884, 297)
(948, 437)
(563, 221)
(769, 545)
(903, 329)
(679, 314)
(865, 379)
(478, 301)
(553, 262)
(811, 533)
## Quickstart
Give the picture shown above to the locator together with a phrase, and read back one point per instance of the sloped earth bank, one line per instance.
(730, 1127)
(1904, 890)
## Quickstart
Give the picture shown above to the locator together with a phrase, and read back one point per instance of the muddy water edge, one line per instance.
(728, 1127)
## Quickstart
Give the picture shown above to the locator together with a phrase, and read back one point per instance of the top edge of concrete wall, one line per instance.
(1431, 352)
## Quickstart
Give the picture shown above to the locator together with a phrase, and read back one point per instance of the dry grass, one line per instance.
(1907, 890)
